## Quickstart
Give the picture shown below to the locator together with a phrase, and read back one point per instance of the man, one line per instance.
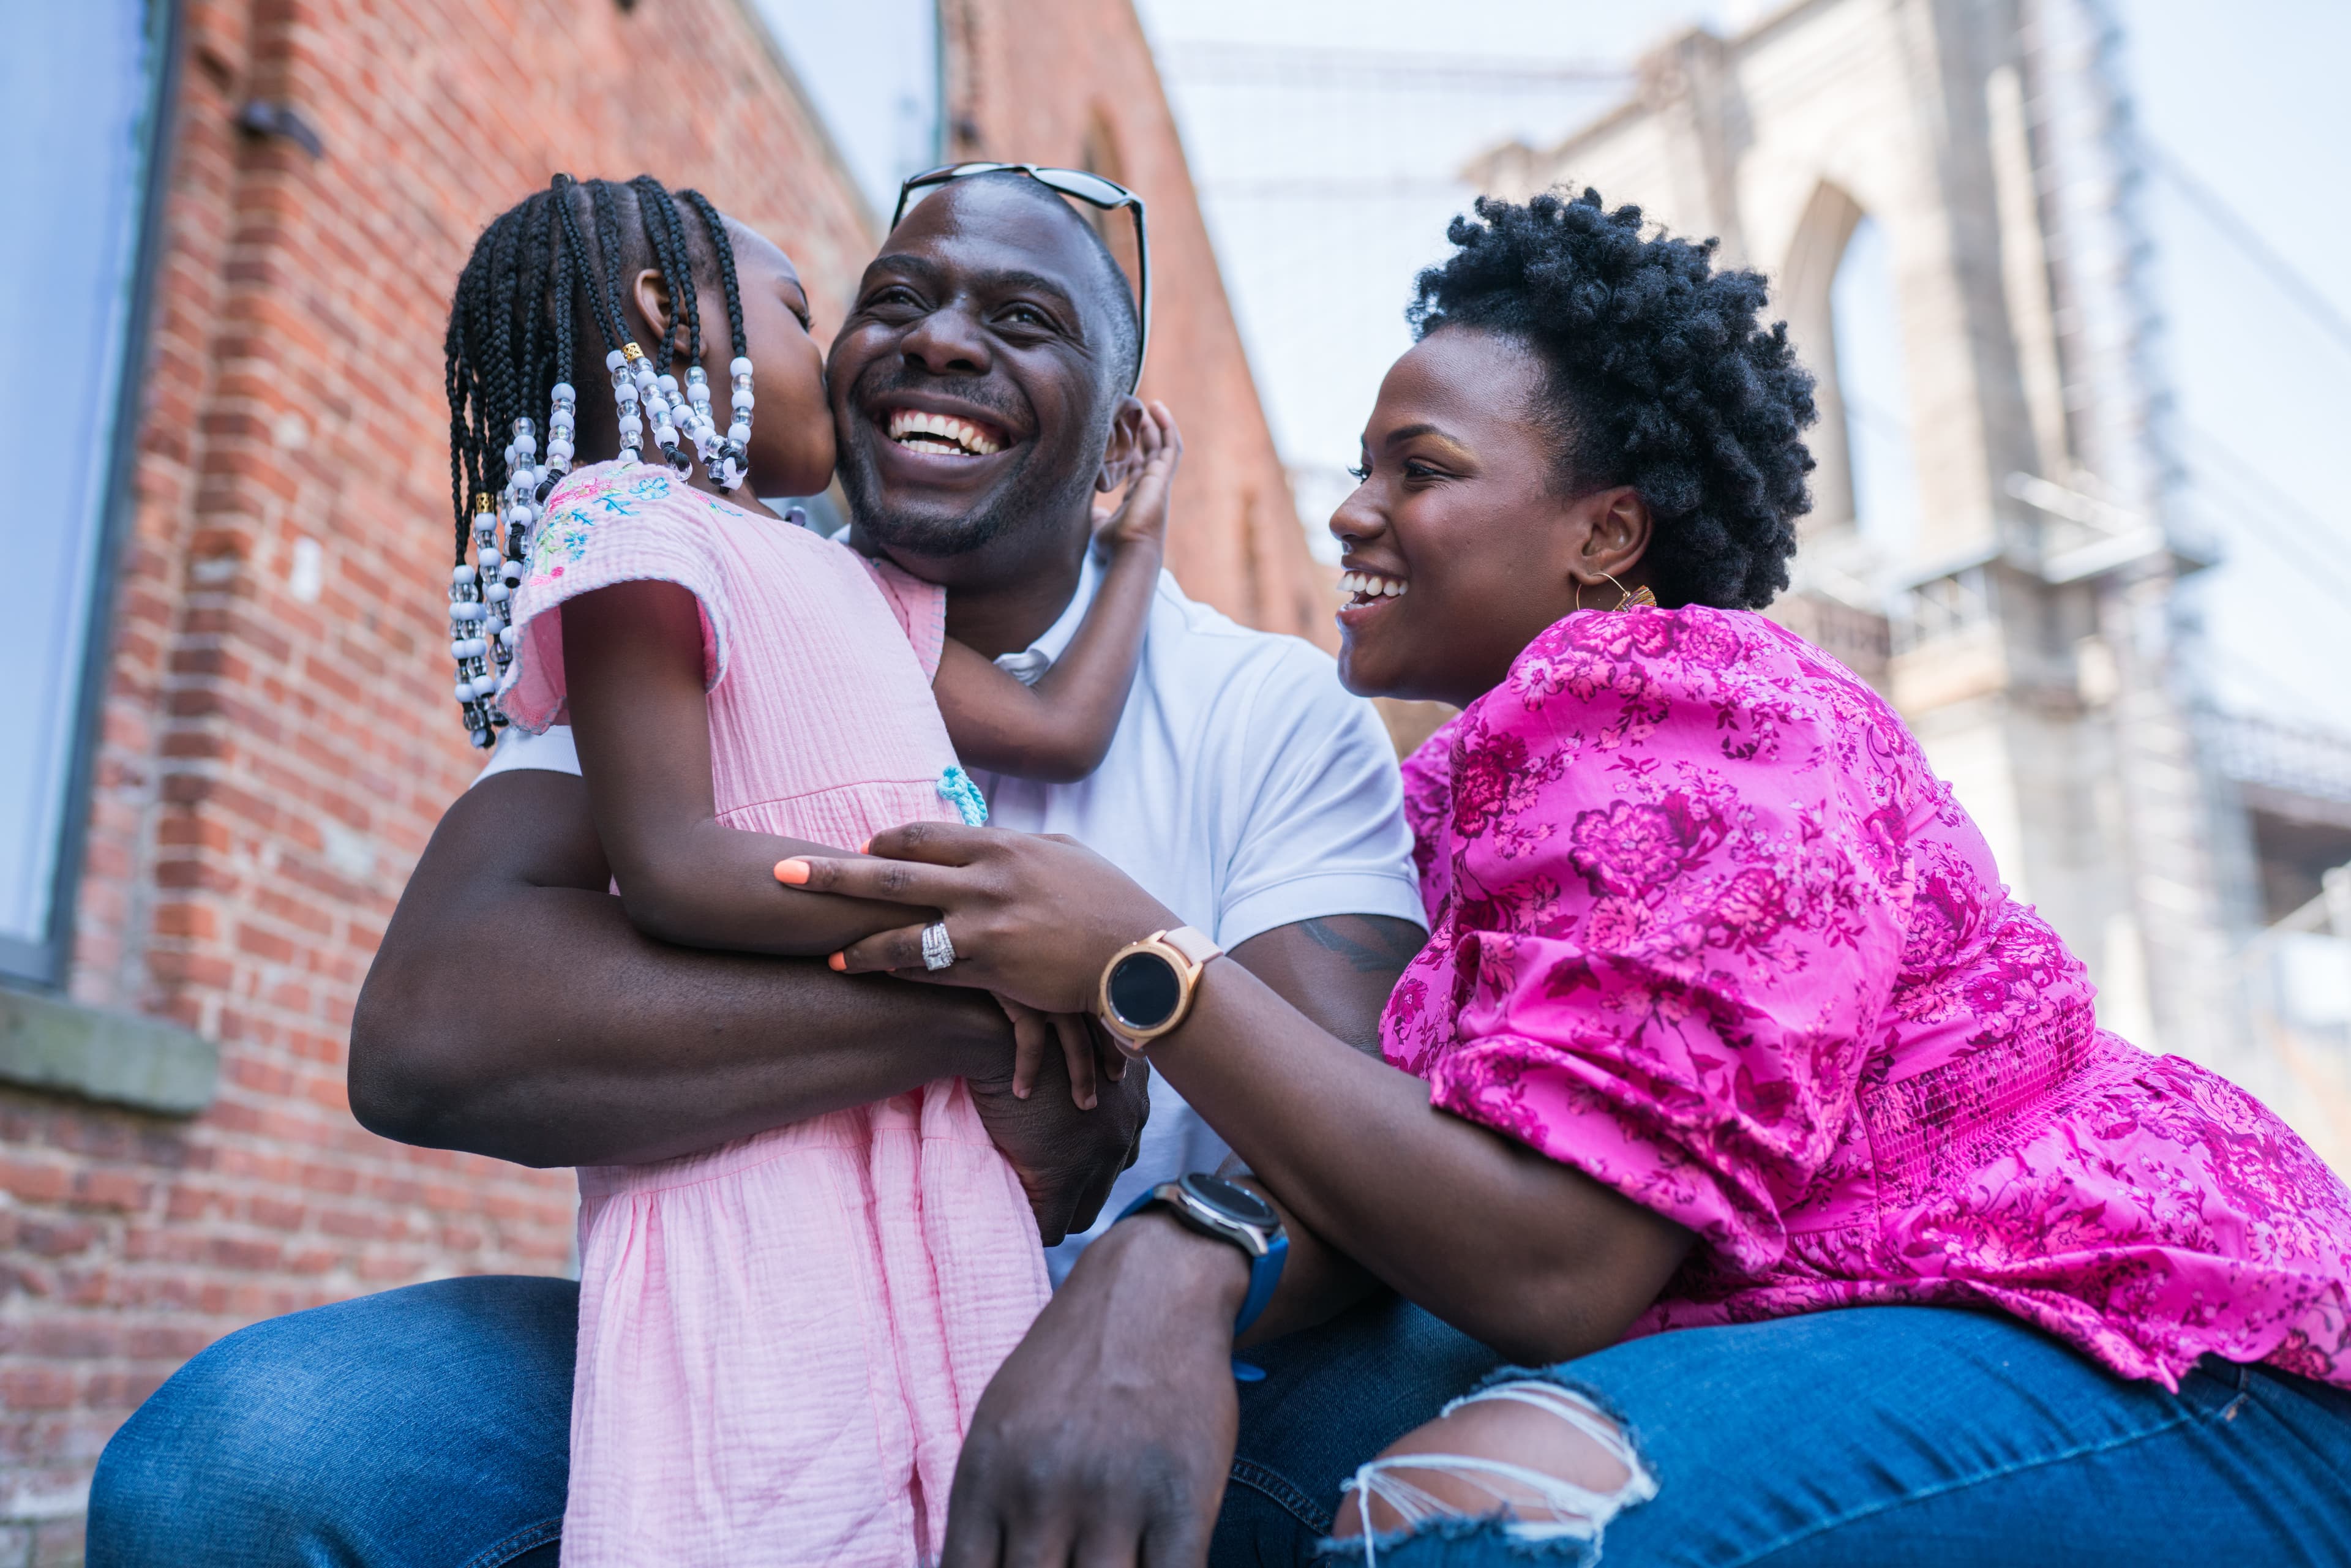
(1244, 788)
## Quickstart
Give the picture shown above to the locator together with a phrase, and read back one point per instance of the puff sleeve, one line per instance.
(613, 522)
(1669, 882)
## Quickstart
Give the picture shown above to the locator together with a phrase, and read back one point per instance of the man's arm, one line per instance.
(1116, 1416)
(513, 1010)
(1337, 969)
(1113, 1419)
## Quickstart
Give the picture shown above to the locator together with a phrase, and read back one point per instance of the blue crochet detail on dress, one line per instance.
(956, 789)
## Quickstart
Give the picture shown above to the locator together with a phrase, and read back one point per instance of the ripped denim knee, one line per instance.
(1495, 1510)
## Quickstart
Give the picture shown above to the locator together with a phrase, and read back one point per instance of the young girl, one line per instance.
(780, 1340)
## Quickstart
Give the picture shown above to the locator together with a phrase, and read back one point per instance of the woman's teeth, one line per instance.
(1367, 586)
(940, 432)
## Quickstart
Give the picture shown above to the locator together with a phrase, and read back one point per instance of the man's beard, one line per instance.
(1030, 496)
(1025, 497)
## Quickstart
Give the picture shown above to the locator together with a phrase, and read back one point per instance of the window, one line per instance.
(81, 95)
(871, 71)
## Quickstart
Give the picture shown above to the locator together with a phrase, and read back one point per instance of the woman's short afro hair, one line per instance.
(1661, 377)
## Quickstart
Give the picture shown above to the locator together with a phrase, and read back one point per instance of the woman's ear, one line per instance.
(1122, 458)
(1616, 532)
(650, 293)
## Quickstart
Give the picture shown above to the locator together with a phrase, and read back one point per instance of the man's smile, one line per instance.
(943, 433)
(928, 439)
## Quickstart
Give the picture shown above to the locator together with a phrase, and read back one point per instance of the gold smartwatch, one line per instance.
(1147, 986)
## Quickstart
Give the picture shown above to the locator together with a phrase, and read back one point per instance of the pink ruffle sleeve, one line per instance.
(1669, 924)
(612, 522)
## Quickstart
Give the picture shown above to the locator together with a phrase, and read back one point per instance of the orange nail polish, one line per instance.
(838, 963)
(866, 848)
(792, 873)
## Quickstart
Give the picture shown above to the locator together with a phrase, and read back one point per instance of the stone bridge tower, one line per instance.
(2022, 620)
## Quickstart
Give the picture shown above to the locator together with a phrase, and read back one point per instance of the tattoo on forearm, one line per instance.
(1371, 946)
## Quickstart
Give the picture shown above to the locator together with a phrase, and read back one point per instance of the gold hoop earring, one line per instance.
(1633, 596)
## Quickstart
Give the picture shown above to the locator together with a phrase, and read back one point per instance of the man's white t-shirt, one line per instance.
(1245, 789)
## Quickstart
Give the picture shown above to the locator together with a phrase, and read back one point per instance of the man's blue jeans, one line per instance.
(427, 1427)
(424, 1427)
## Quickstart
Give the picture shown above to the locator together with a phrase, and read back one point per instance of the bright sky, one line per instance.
(1326, 188)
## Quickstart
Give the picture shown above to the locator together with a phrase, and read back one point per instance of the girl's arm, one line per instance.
(1529, 1254)
(1058, 729)
(632, 664)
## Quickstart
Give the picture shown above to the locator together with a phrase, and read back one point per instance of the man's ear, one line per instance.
(1122, 458)
(650, 292)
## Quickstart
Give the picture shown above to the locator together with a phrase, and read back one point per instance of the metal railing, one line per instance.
(2295, 760)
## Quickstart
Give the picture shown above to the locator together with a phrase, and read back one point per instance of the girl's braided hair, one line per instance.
(1661, 376)
(513, 320)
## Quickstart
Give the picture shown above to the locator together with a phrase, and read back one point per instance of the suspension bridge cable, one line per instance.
(2245, 238)
(2296, 548)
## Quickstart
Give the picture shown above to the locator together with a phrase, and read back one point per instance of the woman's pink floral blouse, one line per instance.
(1706, 927)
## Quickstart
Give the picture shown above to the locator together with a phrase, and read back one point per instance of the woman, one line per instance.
(1725, 1020)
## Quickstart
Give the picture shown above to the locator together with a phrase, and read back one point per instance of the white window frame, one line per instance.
(43, 963)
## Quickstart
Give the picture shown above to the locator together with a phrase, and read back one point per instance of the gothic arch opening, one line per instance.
(1879, 456)
(1838, 291)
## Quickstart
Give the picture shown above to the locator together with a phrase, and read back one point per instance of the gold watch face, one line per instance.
(1143, 991)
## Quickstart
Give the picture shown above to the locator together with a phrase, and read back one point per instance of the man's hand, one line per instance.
(1066, 1158)
(1107, 1435)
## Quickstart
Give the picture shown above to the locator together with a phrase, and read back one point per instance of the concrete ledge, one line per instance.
(47, 1043)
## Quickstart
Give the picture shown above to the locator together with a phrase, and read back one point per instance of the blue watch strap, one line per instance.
(1265, 1273)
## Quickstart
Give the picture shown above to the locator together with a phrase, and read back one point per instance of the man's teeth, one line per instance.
(1371, 585)
(940, 432)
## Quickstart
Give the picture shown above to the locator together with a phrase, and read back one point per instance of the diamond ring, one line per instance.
(938, 953)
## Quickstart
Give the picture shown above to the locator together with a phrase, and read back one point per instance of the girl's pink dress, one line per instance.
(781, 1340)
(1704, 926)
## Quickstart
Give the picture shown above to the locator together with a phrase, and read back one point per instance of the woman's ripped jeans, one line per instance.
(1872, 1437)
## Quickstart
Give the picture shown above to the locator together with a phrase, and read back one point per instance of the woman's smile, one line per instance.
(1367, 594)
(1462, 510)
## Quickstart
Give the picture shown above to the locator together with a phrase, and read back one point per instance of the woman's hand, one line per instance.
(1033, 917)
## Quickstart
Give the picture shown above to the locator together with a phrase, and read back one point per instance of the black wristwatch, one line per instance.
(1229, 1212)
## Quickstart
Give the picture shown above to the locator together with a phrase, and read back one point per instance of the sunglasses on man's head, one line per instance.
(1091, 189)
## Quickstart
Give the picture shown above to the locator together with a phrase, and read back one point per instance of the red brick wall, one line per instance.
(269, 769)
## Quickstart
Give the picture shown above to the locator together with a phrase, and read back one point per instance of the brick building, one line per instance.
(234, 778)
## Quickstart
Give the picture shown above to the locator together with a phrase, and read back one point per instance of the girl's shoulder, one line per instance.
(617, 507)
(622, 486)
(646, 491)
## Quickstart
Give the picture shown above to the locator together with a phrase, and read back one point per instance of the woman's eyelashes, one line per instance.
(1414, 471)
